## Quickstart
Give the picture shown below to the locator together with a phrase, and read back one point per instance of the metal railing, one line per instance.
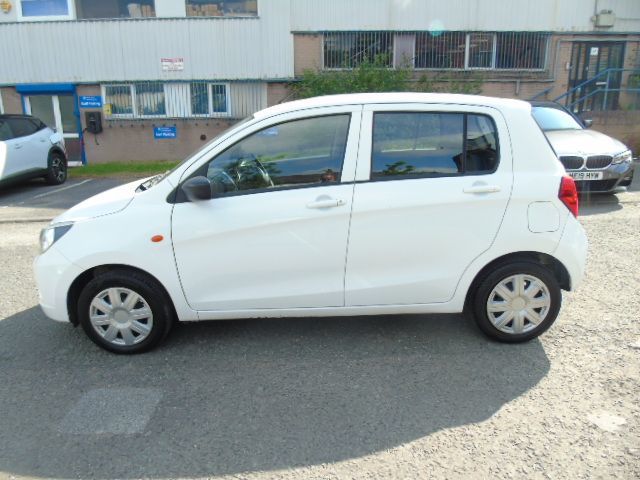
(350, 49)
(597, 93)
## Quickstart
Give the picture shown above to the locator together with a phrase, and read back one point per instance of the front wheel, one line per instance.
(517, 302)
(124, 312)
(56, 169)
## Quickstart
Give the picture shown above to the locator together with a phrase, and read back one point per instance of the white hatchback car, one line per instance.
(358, 204)
(30, 149)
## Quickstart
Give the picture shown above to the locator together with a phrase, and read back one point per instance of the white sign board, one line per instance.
(172, 64)
(594, 51)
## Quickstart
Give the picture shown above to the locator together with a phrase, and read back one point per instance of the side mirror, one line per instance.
(588, 122)
(197, 188)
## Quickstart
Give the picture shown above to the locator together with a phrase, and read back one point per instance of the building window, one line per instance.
(44, 8)
(115, 8)
(487, 50)
(350, 49)
(222, 8)
(119, 99)
(169, 100)
(480, 48)
(445, 50)
(150, 100)
(209, 99)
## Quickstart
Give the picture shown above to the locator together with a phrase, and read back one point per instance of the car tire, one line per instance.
(503, 312)
(56, 169)
(125, 311)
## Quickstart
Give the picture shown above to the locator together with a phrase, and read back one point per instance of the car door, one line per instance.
(275, 235)
(12, 152)
(27, 148)
(433, 183)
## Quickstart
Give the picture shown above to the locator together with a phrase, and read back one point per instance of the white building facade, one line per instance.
(163, 76)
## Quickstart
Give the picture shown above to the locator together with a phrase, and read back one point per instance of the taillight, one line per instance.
(568, 194)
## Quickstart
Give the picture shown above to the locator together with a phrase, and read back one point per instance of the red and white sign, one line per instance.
(172, 64)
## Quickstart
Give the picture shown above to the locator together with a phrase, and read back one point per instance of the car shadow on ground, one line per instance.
(248, 395)
(598, 203)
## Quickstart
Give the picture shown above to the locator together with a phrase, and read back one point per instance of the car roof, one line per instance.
(547, 103)
(391, 97)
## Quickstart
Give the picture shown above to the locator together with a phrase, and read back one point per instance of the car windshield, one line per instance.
(550, 118)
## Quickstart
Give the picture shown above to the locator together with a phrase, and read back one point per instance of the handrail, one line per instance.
(591, 80)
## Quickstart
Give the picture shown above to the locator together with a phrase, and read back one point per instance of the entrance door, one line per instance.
(588, 59)
(58, 112)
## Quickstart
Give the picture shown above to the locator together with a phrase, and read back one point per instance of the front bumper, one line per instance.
(613, 177)
(54, 275)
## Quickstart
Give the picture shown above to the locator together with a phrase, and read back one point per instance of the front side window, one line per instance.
(415, 144)
(22, 127)
(44, 8)
(5, 131)
(296, 153)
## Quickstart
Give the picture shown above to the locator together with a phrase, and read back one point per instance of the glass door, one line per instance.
(588, 59)
(58, 112)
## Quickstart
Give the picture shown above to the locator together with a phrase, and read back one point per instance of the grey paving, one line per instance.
(384, 397)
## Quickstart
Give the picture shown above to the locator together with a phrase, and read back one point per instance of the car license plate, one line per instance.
(586, 175)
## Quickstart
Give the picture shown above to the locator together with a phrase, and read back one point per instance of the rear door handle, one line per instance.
(325, 202)
(482, 189)
(18, 146)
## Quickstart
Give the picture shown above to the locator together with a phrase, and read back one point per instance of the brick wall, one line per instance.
(11, 100)
(307, 53)
(132, 140)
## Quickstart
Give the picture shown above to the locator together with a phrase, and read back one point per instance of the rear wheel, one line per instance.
(124, 312)
(517, 302)
(56, 169)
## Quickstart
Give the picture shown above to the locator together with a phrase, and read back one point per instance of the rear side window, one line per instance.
(415, 144)
(22, 127)
(296, 153)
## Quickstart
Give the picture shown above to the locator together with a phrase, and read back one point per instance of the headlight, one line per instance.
(624, 157)
(53, 233)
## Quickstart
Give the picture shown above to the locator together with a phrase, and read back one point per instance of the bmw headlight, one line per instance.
(624, 157)
(53, 233)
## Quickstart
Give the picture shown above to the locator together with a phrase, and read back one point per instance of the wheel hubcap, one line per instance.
(518, 304)
(58, 168)
(121, 316)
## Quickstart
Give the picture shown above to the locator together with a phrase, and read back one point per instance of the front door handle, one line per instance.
(325, 202)
(482, 189)
(18, 146)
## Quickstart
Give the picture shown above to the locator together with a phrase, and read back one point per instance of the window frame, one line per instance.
(494, 53)
(415, 176)
(131, 96)
(211, 113)
(200, 166)
(71, 15)
(204, 167)
(138, 115)
(392, 48)
(245, 15)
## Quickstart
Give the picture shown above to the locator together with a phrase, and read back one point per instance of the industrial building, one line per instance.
(155, 79)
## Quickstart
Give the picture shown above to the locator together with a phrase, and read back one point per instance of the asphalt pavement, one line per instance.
(407, 396)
